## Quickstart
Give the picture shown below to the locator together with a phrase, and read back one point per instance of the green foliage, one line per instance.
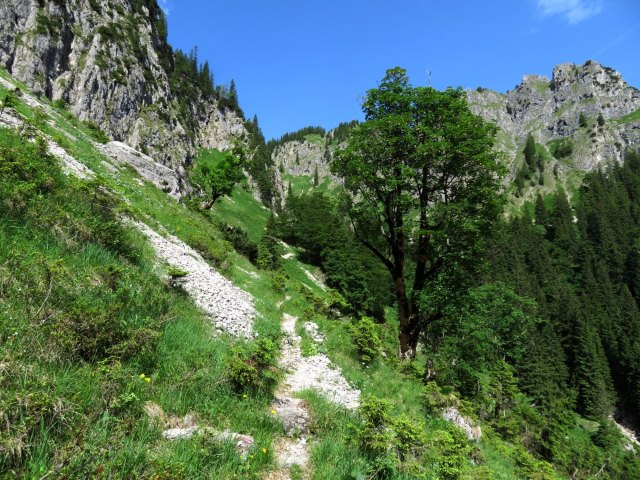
(96, 132)
(216, 174)
(84, 315)
(437, 399)
(269, 248)
(600, 120)
(479, 333)
(366, 339)
(240, 241)
(175, 272)
(562, 148)
(297, 136)
(395, 163)
(48, 24)
(8, 100)
(261, 164)
(314, 223)
(530, 152)
(392, 445)
(340, 134)
(583, 121)
(252, 367)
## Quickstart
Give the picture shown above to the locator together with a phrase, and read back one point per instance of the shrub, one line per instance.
(582, 120)
(96, 132)
(436, 399)
(252, 367)
(175, 272)
(562, 148)
(366, 339)
(240, 241)
(392, 444)
(278, 280)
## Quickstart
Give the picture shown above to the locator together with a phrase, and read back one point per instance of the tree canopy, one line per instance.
(423, 182)
(217, 174)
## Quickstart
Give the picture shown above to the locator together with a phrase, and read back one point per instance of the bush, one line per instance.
(392, 445)
(366, 339)
(252, 367)
(96, 132)
(240, 241)
(436, 399)
(582, 120)
(562, 148)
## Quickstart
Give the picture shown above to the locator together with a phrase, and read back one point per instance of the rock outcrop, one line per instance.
(589, 105)
(110, 62)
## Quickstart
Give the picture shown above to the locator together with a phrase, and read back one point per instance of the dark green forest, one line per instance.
(549, 328)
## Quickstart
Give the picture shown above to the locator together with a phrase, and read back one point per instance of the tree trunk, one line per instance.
(208, 204)
(408, 334)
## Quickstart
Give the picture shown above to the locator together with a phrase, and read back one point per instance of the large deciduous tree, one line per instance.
(424, 184)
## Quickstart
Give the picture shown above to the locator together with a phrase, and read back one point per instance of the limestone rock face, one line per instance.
(550, 109)
(108, 59)
(303, 158)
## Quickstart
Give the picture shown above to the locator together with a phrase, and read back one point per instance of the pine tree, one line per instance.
(541, 214)
(563, 232)
(592, 376)
(530, 152)
(269, 249)
(316, 179)
(582, 120)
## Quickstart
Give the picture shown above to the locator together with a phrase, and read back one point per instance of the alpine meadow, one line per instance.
(442, 284)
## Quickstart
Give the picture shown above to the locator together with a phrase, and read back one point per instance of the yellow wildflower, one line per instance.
(264, 450)
(147, 379)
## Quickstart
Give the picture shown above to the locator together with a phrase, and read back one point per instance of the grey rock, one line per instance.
(550, 110)
(162, 177)
(103, 57)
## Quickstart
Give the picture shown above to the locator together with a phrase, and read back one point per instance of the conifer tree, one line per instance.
(530, 152)
(541, 215)
(269, 249)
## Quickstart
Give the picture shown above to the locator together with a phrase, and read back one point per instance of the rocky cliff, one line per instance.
(110, 62)
(582, 118)
(302, 158)
(589, 109)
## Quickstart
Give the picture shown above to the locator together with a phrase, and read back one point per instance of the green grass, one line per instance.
(630, 118)
(316, 139)
(88, 420)
(242, 210)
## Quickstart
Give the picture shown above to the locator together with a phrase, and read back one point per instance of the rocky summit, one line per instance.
(551, 110)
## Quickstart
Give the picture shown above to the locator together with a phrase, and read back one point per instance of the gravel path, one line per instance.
(230, 308)
(316, 373)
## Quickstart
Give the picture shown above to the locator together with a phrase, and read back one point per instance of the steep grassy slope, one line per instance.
(93, 332)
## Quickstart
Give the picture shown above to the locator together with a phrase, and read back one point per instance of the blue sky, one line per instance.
(299, 63)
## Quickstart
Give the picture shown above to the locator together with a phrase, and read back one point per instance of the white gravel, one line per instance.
(292, 451)
(230, 308)
(315, 372)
